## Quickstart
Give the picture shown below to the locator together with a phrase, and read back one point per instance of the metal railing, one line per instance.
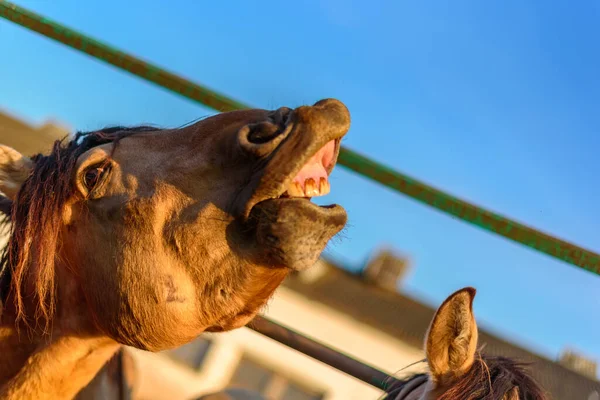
(332, 357)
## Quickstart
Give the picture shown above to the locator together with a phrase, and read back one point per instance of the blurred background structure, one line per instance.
(496, 103)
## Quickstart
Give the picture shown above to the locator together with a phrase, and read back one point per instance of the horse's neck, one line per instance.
(14, 353)
(56, 368)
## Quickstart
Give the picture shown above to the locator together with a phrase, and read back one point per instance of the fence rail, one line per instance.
(415, 189)
(318, 351)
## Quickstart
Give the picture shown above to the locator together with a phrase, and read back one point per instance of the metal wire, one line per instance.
(475, 215)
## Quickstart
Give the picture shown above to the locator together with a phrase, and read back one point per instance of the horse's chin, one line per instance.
(293, 232)
(232, 323)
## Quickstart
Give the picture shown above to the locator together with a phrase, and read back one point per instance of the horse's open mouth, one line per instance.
(306, 153)
(312, 180)
(291, 230)
(309, 180)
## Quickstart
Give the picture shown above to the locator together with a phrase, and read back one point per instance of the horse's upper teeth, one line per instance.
(309, 188)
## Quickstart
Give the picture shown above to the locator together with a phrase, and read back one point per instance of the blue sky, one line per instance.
(497, 104)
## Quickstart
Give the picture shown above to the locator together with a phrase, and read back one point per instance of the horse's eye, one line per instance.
(93, 176)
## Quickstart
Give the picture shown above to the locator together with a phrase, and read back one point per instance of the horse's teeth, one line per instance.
(324, 187)
(295, 190)
(310, 188)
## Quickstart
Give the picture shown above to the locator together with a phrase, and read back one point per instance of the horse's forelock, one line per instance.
(490, 378)
(36, 220)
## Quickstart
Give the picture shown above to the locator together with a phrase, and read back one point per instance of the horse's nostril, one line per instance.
(264, 132)
(281, 116)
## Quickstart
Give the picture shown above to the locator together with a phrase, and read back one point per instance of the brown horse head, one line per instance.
(456, 370)
(152, 236)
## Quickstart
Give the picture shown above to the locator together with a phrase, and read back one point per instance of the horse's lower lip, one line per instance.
(293, 232)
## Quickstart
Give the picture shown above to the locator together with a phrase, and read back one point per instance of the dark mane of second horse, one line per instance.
(490, 378)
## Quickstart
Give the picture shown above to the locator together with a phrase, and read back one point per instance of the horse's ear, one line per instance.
(452, 337)
(14, 170)
(512, 394)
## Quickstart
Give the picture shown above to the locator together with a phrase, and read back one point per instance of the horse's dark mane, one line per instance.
(35, 219)
(490, 378)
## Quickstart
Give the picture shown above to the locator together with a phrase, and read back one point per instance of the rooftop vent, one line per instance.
(579, 363)
(385, 269)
